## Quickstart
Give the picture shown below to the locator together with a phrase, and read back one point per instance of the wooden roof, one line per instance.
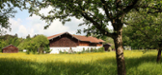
(8, 46)
(79, 37)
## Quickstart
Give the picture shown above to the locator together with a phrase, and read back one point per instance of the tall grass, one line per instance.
(137, 63)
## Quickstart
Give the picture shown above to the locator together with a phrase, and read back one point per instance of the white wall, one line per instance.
(56, 50)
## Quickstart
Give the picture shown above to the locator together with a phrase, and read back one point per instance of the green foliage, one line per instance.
(27, 52)
(84, 50)
(115, 12)
(47, 49)
(7, 39)
(2, 44)
(110, 49)
(89, 50)
(28, 37)
(101, 49)
(143, 30)
(79, 52)
(7, 11)
(39, 42)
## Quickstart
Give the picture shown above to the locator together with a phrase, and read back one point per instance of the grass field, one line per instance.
(137, 63)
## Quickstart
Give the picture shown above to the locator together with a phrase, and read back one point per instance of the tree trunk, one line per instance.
(119, 53)
(41, 50)
(159, 53)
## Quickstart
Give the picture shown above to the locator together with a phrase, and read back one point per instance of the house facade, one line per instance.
(66, 41)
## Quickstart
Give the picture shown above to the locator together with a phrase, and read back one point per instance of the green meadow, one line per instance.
(137, 63)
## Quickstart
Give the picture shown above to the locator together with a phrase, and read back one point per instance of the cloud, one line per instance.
(33, 25)
(18, 28)
(36, 26)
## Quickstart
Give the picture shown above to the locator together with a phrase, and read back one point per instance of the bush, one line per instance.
(110, 49)
(47, 49)
(87, 50)
(34, 51)
(95, 50)
(27, 52)
(101, 49)
(61, 52)
(84, 50)
(79, 52)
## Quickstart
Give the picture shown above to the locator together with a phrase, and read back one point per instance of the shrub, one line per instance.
(65, 52)
(33, 51)
(110, 49)
(47, 49)
(61, 52)
(101, 49)
(87, 50)
(79, 52)
(84, 50)
(95, 50)
(27, 52)
(91, 49)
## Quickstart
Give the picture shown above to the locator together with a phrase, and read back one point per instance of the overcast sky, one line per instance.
(23, 25)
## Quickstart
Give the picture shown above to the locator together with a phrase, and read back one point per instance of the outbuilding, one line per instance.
(10, 49)
(106, 46)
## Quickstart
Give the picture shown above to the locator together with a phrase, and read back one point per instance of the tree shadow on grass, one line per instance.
(11, 66)
(145, 65)
(105, 66)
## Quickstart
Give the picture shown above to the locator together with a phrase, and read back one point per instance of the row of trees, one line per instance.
(38, 43)
(6, 40)
(96, 14)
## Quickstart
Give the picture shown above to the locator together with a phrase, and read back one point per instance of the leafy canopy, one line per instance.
(33, 44)
(7, 11)
(143, 30)
(95, 13)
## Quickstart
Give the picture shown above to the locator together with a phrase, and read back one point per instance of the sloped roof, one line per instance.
(108, 44)
(8, 46)
(79, 37)
(53, 36)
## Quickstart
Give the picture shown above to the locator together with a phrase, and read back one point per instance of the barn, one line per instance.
(10, 49)
(66, 41)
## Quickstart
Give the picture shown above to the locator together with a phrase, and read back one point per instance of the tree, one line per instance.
(2, 44)
(40, 42)
(16, 35)
(28, 37)
(96, 14)
(7, 11)
(10, 39)
(130, 38)
(146, 28)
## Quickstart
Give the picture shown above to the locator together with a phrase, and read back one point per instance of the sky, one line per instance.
(23, 25)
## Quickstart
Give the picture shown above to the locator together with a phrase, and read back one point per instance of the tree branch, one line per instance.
(128, 8)
(96, 25)
(107, 12)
